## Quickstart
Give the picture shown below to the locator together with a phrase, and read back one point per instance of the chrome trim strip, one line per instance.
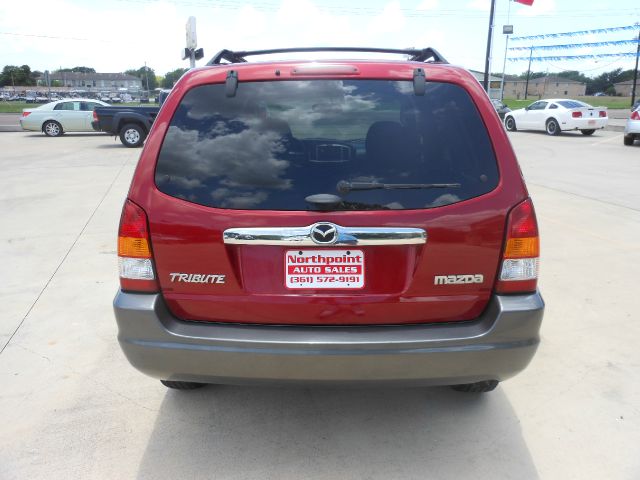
(301, 236)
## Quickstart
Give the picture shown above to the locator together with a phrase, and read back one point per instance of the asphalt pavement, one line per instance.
(72, 407)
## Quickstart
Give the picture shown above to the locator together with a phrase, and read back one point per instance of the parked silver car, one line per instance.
(56, 118)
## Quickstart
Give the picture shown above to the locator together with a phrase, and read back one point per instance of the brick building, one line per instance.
(549, 86)
(625, 88)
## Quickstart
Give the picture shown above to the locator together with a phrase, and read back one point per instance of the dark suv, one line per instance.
(346, 222)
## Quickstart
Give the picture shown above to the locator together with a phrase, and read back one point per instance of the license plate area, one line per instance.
(325, 269)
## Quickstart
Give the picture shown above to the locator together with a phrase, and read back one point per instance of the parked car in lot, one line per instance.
(56, 118)
(501, 108)
(632, 127)
(557, 115)
(325, 222)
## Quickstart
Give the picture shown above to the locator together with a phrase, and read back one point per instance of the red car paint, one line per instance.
(463, 238)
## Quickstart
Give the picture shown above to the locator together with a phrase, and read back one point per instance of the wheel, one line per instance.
(51, 128)
(132, 135)
(552, 127)
(628, 139)
(587, 132)
(510, 124)
(182, 385)
(477, 387)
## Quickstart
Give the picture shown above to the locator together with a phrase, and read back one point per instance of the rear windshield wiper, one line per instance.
(346, 187)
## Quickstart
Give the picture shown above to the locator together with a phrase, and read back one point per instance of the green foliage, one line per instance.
(14, 75)
(609, 102)
(604, 82)
(146, 74)
(172, 77)
(77, 70)
(574, 75)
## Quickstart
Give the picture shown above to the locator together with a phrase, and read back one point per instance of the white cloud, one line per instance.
(482, 5)
(539, 7)
(427, 5)
(390, 20)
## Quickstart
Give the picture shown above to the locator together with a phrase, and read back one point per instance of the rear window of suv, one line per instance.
(275, 143)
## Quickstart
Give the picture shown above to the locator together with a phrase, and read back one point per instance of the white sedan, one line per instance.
(632, 127)
(557, 115)
(55, 118)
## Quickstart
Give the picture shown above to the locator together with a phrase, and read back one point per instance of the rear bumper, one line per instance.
(497, 345)
(585, 123)
(30, 127)
(632, 127)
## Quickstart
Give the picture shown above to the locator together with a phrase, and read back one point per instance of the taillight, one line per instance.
(576, 114)
(25, 114)
(602, 113)
(135, 260)
(519, 269)
(635, 115)
(95, 116)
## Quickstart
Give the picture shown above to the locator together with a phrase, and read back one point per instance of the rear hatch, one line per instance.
(327, 202)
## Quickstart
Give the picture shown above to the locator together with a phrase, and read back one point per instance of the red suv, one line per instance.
(346, 221)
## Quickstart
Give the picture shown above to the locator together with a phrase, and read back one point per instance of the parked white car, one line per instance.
(632, 127)
(56, 118)
(557, 115)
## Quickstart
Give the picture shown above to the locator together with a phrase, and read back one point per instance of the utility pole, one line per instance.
(485, 82)
(635, 73)
(526, 87)
(146, 75)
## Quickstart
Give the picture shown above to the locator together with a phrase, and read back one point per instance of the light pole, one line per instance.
(635, 73)
(506, 29)
(485, 82)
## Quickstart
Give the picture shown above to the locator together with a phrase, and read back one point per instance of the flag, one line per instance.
(524, 2)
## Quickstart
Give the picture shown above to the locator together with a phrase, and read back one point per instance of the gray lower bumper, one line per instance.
(496, 346)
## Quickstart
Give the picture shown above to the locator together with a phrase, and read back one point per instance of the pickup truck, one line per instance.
(131, 124)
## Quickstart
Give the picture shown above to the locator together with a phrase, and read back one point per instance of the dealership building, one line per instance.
(97, 81)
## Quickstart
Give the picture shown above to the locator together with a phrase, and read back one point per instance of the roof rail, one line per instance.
(416, 55)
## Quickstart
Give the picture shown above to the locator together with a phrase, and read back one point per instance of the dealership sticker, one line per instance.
(324, 269)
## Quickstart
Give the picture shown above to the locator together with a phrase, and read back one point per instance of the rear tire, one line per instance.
(510, 124)
(132, 135)
(628, 139)
(182, 385)
(477, 387)
(587, 132)
(51, 128)
(552, 127)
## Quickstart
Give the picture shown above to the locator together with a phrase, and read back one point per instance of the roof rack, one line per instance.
(416, 55)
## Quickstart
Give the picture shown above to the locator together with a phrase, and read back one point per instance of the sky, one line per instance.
(116, 35)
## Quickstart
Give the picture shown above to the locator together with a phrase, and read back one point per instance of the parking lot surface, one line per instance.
(72, 407)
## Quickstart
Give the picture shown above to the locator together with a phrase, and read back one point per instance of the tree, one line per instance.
(604, 82)
(78, 70)
(18, 76)
(172, 77)
(146, 74)
(574, 75)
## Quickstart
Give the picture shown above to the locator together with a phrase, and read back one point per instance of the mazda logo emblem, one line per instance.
(324, 233)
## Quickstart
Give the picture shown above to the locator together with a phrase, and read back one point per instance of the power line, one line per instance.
(53, 37)
(373, 11)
